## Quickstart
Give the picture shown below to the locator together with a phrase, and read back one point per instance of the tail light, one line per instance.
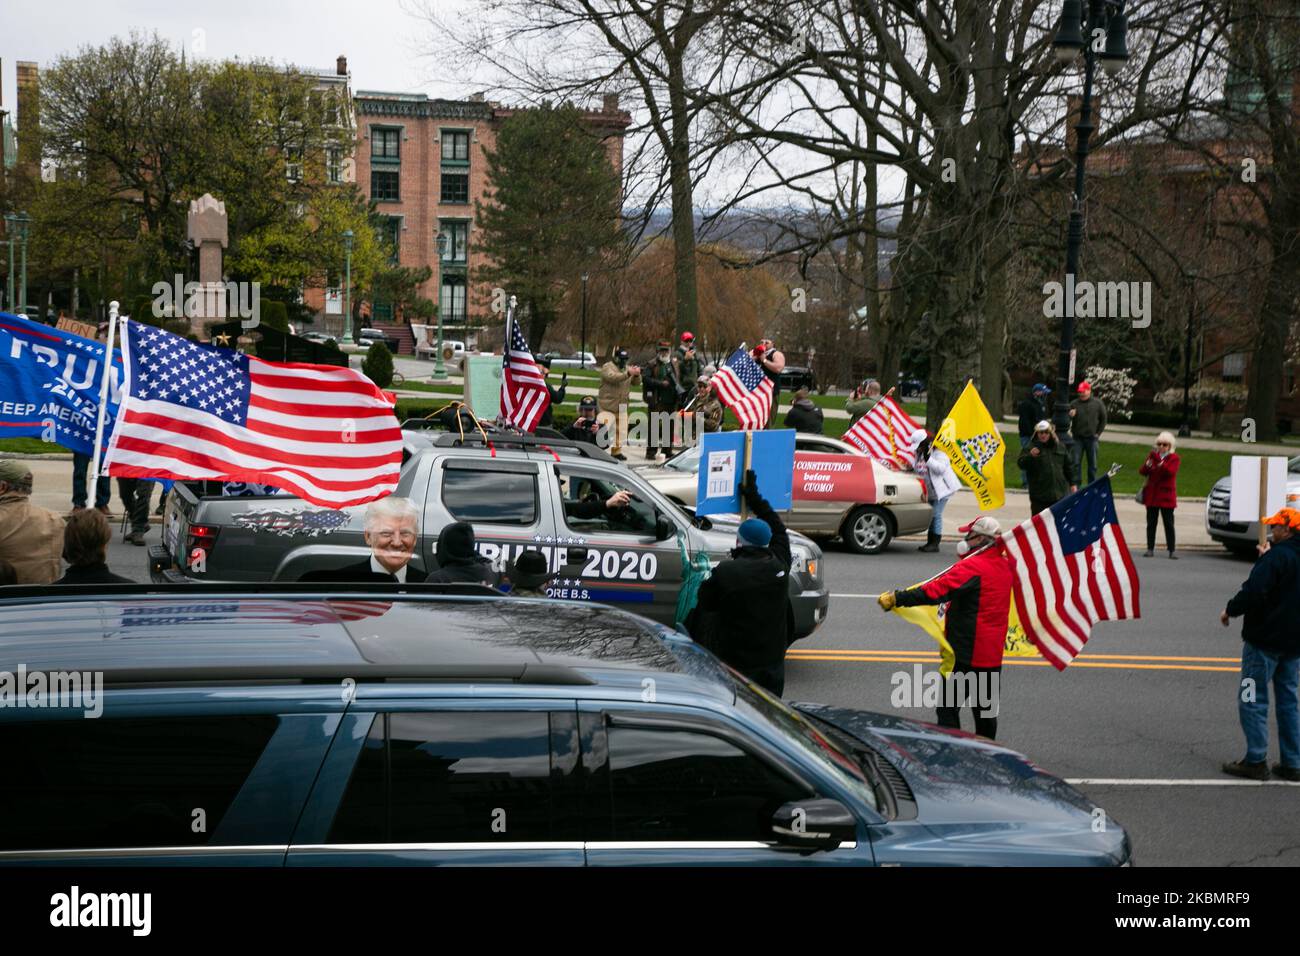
(199, 542)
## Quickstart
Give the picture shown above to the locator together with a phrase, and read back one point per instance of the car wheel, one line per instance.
(868, 530)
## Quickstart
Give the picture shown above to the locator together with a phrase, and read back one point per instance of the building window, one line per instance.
(392, 236)
(293, 164)
(384, 185)
(1234, 367)
(381, 312)
(451, 299)
(457, 234)
(455, 146)
(334, 164)
(386, 144)
(455, 188)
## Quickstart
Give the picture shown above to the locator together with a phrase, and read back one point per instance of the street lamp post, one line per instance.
(582, 355)
(440, 370)
(11, 297)
(1104, 20)
(347, 287)
(22, 220)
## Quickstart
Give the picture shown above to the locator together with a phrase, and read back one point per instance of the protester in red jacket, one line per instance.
(978, 592)
(1160, 493)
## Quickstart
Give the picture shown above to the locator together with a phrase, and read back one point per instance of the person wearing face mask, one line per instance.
(1048, 465)
(660, 388)
(941, 483)
(977, 590)
(744, 614)
(615, 392)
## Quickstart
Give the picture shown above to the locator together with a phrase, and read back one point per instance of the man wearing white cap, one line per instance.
(977, 590)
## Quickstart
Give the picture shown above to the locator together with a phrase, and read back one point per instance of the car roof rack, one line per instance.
(507, 439)
(361, 672)
(327, 590)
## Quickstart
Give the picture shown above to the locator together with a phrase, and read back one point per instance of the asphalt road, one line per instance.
(1149, 708)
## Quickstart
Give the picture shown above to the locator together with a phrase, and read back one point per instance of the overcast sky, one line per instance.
(385, 46)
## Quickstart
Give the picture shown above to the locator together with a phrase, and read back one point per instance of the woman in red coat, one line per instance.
(1160, 493)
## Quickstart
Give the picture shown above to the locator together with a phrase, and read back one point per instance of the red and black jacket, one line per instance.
(978, 591)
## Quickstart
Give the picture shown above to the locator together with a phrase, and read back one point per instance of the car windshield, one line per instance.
(688, 461)
(842, 763)
(1294, 464)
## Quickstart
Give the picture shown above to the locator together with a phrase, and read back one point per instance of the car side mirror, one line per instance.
(664, 527)
(816, 824)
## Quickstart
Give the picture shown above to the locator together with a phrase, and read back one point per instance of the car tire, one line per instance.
(867, 530)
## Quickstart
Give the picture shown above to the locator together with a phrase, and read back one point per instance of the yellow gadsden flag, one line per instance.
(930, 618)
(970, 438)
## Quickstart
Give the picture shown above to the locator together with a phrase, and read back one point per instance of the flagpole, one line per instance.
(103, 390)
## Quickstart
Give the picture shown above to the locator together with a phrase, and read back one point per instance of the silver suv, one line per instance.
(519, 495)
(1237, 537)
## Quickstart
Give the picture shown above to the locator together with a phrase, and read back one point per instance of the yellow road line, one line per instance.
(1017, 661)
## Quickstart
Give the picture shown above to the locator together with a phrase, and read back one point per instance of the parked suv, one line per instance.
(514, 492)
(1238, 537)
(387, 727)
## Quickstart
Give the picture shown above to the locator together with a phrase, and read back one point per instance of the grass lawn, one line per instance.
(31, 446)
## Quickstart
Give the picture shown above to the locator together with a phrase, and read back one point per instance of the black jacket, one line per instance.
(1032, 411)
(557, 398)
(361, 573)
(1270, 600)
(745, 616)
(92, 574)
(1050, 472)
(458, 561)
(804, 416)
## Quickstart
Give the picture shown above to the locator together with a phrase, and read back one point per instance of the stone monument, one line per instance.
(207, 229)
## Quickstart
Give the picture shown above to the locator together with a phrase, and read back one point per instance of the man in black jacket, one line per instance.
(557, 394)
(458, 559)
(1032, 409)
(744, 614)
(1270, 651)
(392, 529)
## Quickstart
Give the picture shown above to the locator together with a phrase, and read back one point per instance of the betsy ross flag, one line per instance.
(195, 411)
(524, 398)
(1071, 568)
(745, 389)
(883, 433)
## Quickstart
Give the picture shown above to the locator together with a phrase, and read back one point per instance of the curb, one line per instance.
(53, 456)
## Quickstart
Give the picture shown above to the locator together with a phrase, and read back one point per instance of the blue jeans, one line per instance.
(103, 490)
(1082, 445)
(1283, 672)
(936, 522)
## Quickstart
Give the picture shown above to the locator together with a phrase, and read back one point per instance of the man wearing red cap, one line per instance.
(977, 590)
(1270, 651)
(689, 367)
(1088, 421)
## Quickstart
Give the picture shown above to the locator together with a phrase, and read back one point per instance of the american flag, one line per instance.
(883, 432)
(745, 389)
(1071, 569)
(524, 397)
(195, 411)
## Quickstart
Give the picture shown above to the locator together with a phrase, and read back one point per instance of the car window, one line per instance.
(682, 785)
(821, 447)
(494, 497)
(125, 783)
(583, 496)
(452, 777)
(688, 461)
(1294, 464)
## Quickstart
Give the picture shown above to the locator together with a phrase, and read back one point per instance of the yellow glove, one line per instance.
(887, 601)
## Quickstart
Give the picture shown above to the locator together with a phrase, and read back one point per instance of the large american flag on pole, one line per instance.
(1071, 569)
(883, 433)
(194, 411)
(524, 397)
(744, 388)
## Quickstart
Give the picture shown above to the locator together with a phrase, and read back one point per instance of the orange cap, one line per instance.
(1288, 517)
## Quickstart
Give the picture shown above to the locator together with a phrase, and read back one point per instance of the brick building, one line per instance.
(421, 161)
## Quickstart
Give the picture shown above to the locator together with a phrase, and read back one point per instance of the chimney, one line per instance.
(28, 114)
(611, 102)
(341, 67)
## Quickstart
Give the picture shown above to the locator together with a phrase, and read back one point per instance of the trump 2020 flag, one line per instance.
(745, 389)
(971, 440)
(50, 382)
(196, 411)
(1071, 569)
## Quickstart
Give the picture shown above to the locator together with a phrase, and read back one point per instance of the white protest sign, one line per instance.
(1244, 505)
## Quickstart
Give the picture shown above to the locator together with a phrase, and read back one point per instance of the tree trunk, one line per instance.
(1275, 317)
(994, 340)
(679, 157)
